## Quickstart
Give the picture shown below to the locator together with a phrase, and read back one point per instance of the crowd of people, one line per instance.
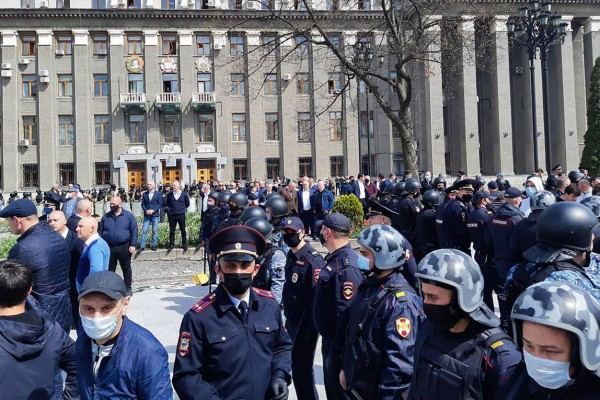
(409, 313)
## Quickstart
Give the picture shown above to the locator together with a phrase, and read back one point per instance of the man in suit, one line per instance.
(151, 205)
(204, 192)
(290, 195)
(84, 209)
(307, 215)
(359, 190)
(177, 201)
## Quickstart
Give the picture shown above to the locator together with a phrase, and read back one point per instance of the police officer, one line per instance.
(334, 294)
(277, 210)
(593, 203)
(460, 352)
(224, 212)
(252, 212)
(455, 218)
(557, 325)
(443, 238)
(302, 268)
(232, 343)
(397, 196)
(208, 217)
(425, 227)
(477, 222)
(387, 194)
(384, 320)
(408, 208)
(439, 184)
(237, 202)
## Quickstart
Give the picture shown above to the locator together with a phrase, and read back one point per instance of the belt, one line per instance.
(116, 245)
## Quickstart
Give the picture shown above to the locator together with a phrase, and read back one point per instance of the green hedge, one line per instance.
(350, 206)
(6, 244)
(192, 223)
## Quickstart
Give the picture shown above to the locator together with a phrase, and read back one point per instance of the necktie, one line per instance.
(243, 307)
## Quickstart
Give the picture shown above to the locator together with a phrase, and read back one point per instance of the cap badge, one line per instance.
(238, 246)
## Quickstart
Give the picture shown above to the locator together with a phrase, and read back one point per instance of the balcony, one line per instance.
(204, 102)
(168, 102)
(133, 102)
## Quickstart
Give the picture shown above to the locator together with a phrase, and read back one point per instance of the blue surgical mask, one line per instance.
(364, 264)
(530, 191)
(549, 374)
(48, 210)
(225, 209)
(100, 328)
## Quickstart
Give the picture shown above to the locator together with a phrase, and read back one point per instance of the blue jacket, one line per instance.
(154, 203)
(327, 199)
(46, 253)
(498, 234)
(94, 259)
(118, 230)
(178, 206)
(136, 368)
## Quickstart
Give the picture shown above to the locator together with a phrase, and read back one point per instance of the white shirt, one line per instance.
(65, 233)
(583, 195)
(92, 238)
(361, 190)
(236, 302)
(177, 194)
(306, 200)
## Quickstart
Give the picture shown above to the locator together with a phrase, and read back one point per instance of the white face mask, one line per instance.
(548, 373)
(100, 328)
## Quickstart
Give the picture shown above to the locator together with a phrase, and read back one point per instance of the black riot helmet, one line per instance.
(411, 186)
(261, 225)
(389, 188)
(431, 198)
(240, 199)
(552, 182)
(214, 195)
(575, 176)
(278, 206)
(566, 225)
(224, 197)
(479, 182)
(399, 189)
(501, 182)
(253, 212)
(439, 180)
(274, 194)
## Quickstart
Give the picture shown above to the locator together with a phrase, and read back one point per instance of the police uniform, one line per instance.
(477, 222)
(426, 239)
(222, 355)
(384, 324)
(443, 237)
(408, 209)
(301, 272)
(455, 221)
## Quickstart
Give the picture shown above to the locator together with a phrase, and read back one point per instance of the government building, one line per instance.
(127, 91)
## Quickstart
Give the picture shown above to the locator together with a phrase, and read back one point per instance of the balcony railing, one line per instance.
(169, 102)
(204, 102)
(133, 100)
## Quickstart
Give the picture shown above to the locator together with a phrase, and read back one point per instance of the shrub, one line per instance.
(350, 206)
(6, 244)
(192, 224)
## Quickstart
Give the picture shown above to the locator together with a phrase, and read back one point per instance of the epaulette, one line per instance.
(314, 253)
(264, 293)
(205, 302)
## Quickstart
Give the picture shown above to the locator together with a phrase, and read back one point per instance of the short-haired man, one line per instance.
(117, 358)
(571, 193)
(70, 203)
(177, 201)
(151, 205)
(96, 254)
(84, 209)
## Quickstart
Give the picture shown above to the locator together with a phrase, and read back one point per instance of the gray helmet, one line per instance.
(593, 203)
(252, 212)
(223, 197)
(389, 188)
(563, 306)
(387, 245)
(541, 199)
(458, 270)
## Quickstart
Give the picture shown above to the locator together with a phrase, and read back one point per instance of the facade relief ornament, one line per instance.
(203, 64)
(171, 148)
(205, 148)
(134, 64)
(168, 65)
(136, 150)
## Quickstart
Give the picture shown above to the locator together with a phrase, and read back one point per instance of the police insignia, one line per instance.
(264, 293)
(348, 290)
(205, 302)
(403, 327)
(294, 277)
(407, 255)
(317, 272)
(184, 344)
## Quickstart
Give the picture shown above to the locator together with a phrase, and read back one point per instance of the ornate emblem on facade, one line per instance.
(203, 64)
(171, 148)
(205, 148)
(168, 65)
(136, 150)
(134, 64)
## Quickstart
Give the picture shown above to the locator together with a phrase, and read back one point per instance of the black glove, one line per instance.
(279, 388)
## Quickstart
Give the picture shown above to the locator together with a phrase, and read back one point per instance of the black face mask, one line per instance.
(489, 207)
(444, 317)
(292, 239)
(321, 238)
(467, 198)
(114, 208)
(237, 284)
(234, 209)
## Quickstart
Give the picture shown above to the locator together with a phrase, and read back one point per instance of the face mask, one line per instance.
(364, 265)
(224, 209)
(489, 207)
(237, 284)
(210, 203)
(100, 328)
(269, 216)
(467, 197)
(530, 191)
(234, 209)
(321, 238)
(442, 316)
(292, 239)
(547, 373)
(48, 210)
(114, 208)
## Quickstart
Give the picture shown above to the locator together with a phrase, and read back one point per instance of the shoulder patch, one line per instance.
(400, 294)
(403, 327)
(497, 344)
(314, 253)
(205, 302)
(316, 275)
(184, 343)
(264, 293)
(348, 290)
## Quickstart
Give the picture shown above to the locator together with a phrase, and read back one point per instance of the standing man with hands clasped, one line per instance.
(151, 205)
(177, 201)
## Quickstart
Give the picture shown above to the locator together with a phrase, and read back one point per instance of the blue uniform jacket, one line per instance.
(219, 356)
(455, 226)
(119, 229)
(477, 223)
(524, 236)
(498, 235)
(443, 237)
(136, 368)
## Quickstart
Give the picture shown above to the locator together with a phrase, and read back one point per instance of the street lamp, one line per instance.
(537, 28)
(363, 59)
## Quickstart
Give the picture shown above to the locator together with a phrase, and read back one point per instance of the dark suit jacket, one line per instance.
(76, 247)
(154, 203)
(72, 222)
(291, 199)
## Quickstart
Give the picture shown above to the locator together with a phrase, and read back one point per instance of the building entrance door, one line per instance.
(207, 170)
(171, 173)
(136, 173)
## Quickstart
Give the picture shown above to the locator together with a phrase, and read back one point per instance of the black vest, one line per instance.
(263, 279)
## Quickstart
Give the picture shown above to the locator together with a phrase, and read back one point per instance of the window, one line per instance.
(299, 5)
(271, 84)
(169, 45)
(301, 45)
(333, 5)
(302, 83)
(238, 127)
(240, 169)
(100, 85)
(394, 79)
(136, 83)
(65, 130)
(334, 84)
(203, 45)
(170, 83)
(206, 123)
(66, 172)
(136, 129)
(336, 166)
(135, 44)
(170, 129)
(134, 3)
(336, 41)
(168, 4)
(27, 3)
(99, 4)
(269, 45)
(364, 5)
(30, 175)
(238, 84)
(28, 45)
(205, 83)
(64, 44)
(236, 45)
(335, 125)
(272, 168)
(30, 129)
(65, 85)
(99, 44)
(235, 4)
(363, 124)
(305, 166)
(304, 127)
(201, 4)
(102, 173)
(395, 133)
(102, 129)
(272, 126)
(63, 3)
(29, 86)
(398, 166)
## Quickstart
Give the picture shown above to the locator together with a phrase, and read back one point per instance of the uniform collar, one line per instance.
(225, 301)
(344, 249)
(300, 253)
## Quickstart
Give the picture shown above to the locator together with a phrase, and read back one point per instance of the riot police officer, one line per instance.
(439, 184)
(232, 343)
(443, 237)
(460, 352)
(334, 294)
(409, 208)
(387, 194)
(252, 212)
(455, 218)
(237, 203)
(384, 320)
(557, 325)
(276, 210)
(224, 213)
(593, 203)
(425, 227)
(302, 268)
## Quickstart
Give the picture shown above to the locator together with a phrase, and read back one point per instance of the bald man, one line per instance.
(96, 253)
(84, 209)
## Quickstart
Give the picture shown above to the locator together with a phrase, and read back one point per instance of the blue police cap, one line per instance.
(481, 194)
(293, 223)
(337, 222)
(237, 243)
(512, 193)
(106, 282)
(19, 208)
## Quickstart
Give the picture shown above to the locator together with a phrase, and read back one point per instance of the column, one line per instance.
(82, 99)
(153, 85)
(188, 85)
(118, 84)
(11, 171)
(591, 47)
(255, 116)
(580, 90)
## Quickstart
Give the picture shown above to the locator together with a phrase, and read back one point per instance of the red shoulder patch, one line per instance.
(264, 293)
(348, 290)
(205, 302)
